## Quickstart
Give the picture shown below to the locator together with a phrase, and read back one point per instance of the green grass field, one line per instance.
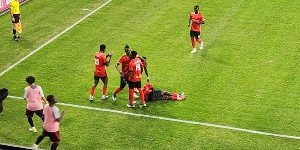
(247, 76)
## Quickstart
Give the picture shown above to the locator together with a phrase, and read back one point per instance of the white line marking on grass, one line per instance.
(87, 9)
(175, 120)
(58, 35)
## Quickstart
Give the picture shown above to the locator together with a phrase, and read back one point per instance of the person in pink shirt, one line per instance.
(33, 94)
(52, 117)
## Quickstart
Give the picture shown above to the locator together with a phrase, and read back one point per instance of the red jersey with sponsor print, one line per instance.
(100, 62)
(196, 17)
(135, 66)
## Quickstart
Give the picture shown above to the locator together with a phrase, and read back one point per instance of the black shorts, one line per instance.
(133, 85)
(17, 18)
(54, 136)
(97, 78)
(195, 34)
(122, 84)
(1, 107)
(30, 113)
(154, 95)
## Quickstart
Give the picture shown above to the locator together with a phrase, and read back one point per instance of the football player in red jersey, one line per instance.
(196, 19)
(134, 77)
(152, 94)
(124, 60)
(101, 63)
(144, 68)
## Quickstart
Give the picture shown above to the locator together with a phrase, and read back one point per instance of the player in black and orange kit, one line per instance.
(124, 60)
(196, 19)
(101, 63)
(151, 94)
(134, 77)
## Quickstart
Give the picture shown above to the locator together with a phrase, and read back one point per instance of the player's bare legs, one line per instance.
(105, 81)
(172, 96)
(93, 89)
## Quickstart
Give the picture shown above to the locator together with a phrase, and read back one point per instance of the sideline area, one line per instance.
(174, 120)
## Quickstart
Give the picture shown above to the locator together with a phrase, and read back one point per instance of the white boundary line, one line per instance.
(58, 35)
(175, 120)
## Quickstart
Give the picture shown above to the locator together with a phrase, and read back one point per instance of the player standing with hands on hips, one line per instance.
(196, 19)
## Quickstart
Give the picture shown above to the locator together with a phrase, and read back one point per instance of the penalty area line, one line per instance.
(58, 35)
(175, 120)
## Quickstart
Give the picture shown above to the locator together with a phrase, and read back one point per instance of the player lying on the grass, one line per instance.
(152, 94)
(3, 95)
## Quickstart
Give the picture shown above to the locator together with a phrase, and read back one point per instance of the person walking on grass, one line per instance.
(33, 94)
(51, 123)
(196, 19)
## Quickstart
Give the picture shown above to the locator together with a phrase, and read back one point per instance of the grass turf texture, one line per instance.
(247, 76)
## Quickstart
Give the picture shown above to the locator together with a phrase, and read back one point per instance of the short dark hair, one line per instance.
(126, 46)
(102, 47)
(30, 79)
(133, 53)
(196, 6)
(144, 57)
(50, 98)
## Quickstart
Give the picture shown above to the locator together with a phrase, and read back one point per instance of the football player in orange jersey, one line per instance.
(134, 77)
(152, 94)
(124, 60)
(196, 19)
(101, 63)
